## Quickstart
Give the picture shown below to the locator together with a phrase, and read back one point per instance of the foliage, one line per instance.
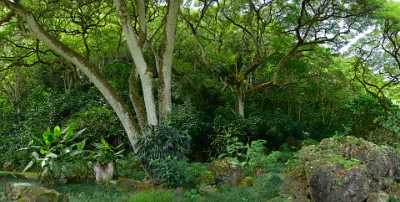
(53, 149)
(99, 121)
(162, 142)
(390, 121)
(162, 153)
(104, 153)
(129, 166)
(169, 171)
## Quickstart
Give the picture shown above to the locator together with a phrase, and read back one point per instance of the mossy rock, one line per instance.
(247, 181)
(27, 192)
(342, 169)
(19, 175)
(205, 178)
(225, 172)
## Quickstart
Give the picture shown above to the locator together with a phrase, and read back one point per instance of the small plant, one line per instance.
(105, 157)
(255, 153)
(53, 148)
(104, 153)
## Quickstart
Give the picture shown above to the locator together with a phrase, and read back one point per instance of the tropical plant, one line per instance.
(104, 153)
(53, 148)
(161, 143)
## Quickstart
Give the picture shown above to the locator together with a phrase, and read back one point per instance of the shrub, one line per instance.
(267, 186)
(99, 121)
(199, 175)
(169, 171)
(129, 166)
(162, 142)
(9, 158)
(162, 154)
(228, 135)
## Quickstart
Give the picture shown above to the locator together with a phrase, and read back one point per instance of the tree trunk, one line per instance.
(165, 104)
(90, 71)
(240, 99)
(145, 74)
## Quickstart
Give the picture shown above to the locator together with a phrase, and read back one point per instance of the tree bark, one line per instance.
(136, 101)
(165, 103)
(240, 100)
(141, 65)
(89, 70)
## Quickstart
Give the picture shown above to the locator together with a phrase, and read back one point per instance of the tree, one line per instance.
(145, 108)
(377, 59)
(266, 36)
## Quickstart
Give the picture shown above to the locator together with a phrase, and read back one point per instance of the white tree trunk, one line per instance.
(146, 76)
(240, 105)
(91, 72)
(165, 104)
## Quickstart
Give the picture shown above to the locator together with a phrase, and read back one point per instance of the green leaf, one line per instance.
(47, 136)
(57, 132)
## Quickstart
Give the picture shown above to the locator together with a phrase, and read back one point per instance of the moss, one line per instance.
(19, 175)
(340, 160)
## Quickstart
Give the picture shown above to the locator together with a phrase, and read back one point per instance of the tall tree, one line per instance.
(145, 107)
(268, 34)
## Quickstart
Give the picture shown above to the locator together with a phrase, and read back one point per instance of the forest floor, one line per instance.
(78, 192)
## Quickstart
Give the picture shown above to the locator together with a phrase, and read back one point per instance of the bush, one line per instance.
(162, 142)
(128, 166)
(55, 149)
(162, 154)
(99, 121)
(10, 159)
(169, 171)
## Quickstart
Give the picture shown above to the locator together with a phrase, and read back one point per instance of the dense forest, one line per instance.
(200, 100)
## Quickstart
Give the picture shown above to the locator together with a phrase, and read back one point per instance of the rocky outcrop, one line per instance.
(345, 169)
(27, 192)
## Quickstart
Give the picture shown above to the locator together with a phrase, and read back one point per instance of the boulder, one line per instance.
(344, 169)
(27, 192)
(226, 173)
(378, 197)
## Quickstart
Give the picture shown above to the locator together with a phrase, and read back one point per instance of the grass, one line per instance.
(87, 192)
(154, 196)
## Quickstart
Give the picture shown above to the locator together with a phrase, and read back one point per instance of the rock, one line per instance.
(7, 166)
(207, 189)
(378, 197)
(27, 192)
(104, 173)
(205, 178)
(247, 181)
(344, 169)
(226, 173)
(333, 183)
